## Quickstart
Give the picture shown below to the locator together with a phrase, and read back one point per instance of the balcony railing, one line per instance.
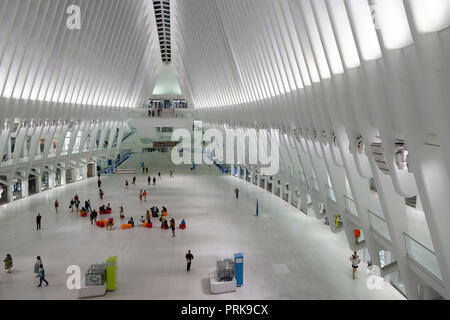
(422, 256)
(164, 113)
(379, 224)
(350, 206)
(315, 184)
(331, 193)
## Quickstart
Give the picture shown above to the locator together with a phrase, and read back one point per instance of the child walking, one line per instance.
(42, 276)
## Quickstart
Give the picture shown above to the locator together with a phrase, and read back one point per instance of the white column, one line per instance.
(24, 187)
(9, 194)
(84, 171)
(63, 177)
(94, 169)
(38, 183)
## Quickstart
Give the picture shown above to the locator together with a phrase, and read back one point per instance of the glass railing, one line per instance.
(153, 113)
(315, 184)
(350, 206)
(397, 282)
(331, 193)
(379, 224)
(422, 255)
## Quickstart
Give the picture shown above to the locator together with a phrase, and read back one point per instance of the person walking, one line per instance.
(42, 276)
(91, 216)
(236, 191)
(122, 216)
(149, 180)
(154, 180)
(101, 193)
(171, 174)
(189, 256)
(38, 221)
(99, 183)
(126, 184)
(94, 213)
(355, 262)
(147, 216)
(159, 175)
(56, 205)
(145, 195)
(72, 203)
(8, 263)
(37, 266)
(87, 205)
(140, 195)
(134, 181)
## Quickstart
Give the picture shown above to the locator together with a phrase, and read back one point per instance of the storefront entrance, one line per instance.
(32, 185)
(3, 192)
(90, 170)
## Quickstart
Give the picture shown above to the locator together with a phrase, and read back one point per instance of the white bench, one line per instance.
(217, 287)
(91, 291)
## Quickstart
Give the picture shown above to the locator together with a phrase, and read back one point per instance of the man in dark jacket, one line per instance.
(38, 221)
(189, 258)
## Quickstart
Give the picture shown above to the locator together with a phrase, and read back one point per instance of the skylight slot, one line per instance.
(162, 14)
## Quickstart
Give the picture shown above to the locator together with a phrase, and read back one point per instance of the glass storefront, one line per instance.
(44, 181)
(3, 192)
(57, 177)
(16, 190)
(32, 185)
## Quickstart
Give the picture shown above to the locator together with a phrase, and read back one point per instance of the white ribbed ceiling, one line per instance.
(235, 52)
(108, 62)
(226, 53)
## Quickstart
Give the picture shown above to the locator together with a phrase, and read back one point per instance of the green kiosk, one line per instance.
(111, 273)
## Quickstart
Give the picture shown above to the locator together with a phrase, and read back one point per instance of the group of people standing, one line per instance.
(143, 195)
(75, 202)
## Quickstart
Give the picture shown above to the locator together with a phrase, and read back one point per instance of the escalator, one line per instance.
(121, 157)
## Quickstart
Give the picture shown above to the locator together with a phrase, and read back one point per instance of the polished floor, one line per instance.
(287, 254)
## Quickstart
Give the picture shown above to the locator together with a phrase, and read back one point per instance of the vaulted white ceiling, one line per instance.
(109, 61)
(225, 53)
(230, 53)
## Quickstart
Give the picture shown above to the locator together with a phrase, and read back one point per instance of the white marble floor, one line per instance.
(287, 254)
